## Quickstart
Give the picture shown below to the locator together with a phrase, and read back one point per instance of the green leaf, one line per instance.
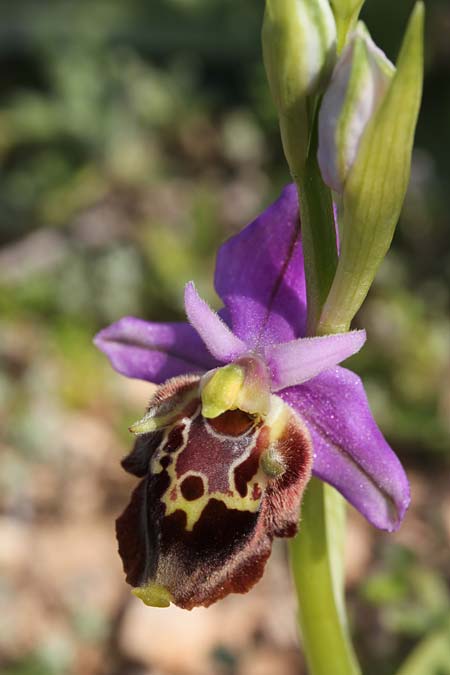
(431, 656)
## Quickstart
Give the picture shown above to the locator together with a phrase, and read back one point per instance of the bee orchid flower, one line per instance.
(247, 408)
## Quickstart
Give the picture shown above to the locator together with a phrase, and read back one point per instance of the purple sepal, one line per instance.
(350, 452)
(300, 360)
(153, 351)
(260, 276)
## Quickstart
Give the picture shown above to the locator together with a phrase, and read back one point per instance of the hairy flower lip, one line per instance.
(260, 278)
(214, 495)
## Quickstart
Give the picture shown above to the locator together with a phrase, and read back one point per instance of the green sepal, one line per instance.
(377, 183)
(346, 13)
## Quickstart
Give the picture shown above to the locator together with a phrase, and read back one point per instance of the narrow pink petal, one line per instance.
(216, 335)
(298, 361)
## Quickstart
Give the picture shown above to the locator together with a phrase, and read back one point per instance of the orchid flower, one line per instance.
(246, 409)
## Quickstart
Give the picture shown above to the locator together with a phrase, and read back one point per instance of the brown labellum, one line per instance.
(214, 494)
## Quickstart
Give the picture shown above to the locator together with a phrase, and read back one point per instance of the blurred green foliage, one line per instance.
(134, 138)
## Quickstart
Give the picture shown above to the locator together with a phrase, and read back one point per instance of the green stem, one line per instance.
(318, 235)
(317, 553)
(316, 557)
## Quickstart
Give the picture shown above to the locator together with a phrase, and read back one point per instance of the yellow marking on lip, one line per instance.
(194, 509)
(277, 418)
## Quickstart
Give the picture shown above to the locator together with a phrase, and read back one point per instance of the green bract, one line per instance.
(346, 8)
(346, 13)
(376, 184)
(299, 48)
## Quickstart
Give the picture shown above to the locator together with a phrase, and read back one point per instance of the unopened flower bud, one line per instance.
(365, 152)
(299, 48)
(360, 81)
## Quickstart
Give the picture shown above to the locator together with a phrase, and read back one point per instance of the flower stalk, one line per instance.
(317, 566)
(319, 235)
(317, 551)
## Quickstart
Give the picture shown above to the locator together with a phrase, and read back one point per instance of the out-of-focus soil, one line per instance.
(64, 601)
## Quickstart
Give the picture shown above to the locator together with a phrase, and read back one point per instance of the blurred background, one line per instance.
(134, 138)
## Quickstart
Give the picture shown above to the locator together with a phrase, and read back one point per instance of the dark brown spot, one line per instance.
(137, 462)
(192, 488)
(173, 528)
(175, 439)
(244, 472)
(218, 532)
(165, 461)
(232, 423)
(160, 484)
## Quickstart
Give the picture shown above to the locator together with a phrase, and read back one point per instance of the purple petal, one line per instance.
(153, 351)
(260, 276)
(350, 452)
(216, 335)
(292, 363)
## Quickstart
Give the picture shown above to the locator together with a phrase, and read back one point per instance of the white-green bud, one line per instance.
(360, 81)
(299, 49)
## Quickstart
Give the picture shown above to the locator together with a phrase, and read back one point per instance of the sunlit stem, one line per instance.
(317, 565)
(318, 234)
(317, 552)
